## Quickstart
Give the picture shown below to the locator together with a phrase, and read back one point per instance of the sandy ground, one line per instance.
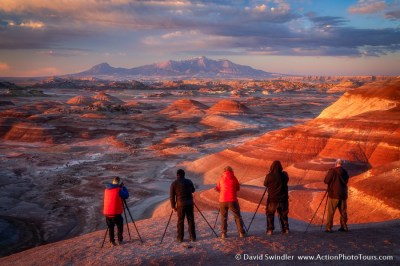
(363, 244)
(54, 157)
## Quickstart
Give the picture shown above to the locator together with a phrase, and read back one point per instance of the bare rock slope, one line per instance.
(362, 127)
(185, 108)
(378, 245)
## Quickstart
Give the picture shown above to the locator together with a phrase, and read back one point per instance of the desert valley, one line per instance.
(62, 138)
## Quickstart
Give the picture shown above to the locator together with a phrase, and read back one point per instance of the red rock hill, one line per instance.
(228, 107)
(185, 108)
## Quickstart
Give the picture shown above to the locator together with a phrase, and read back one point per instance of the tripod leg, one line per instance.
(172, 211)
(133, 221)
(245, 228)
(216, 219)
(248, 228)
(104, 239)
(205, 219)
(326, 203)
(127, 224)
(316, 211)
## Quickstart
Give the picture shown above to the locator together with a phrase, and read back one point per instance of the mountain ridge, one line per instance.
(196, 67)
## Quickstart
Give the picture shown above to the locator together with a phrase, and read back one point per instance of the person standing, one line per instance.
(276, 181)
(181, 198)
(228, 185)
(337, 179)
(114, 194)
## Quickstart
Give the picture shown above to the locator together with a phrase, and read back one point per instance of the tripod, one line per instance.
(326, 192)
(127, 226)
(133, 221)
(172, 211)
(248, 228)
(200, 214)
(104, 239)
(323, 215)
(205, 219)
(216, 219)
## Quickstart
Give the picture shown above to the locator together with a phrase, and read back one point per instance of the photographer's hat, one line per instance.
(339, 162)
(117, 181)
(228, 168)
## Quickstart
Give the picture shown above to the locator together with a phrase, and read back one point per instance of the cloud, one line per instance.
(184, 41)
(32, 24)
(261, 8)
(172, 35)
(27, 24)
(323, 21)
(64, 52)
(232, 26)
(393, 15)
(4, 66)
(367, 7)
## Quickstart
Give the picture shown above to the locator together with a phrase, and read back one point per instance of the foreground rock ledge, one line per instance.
(378, 239)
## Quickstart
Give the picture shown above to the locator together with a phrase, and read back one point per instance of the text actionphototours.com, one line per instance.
(318, 257)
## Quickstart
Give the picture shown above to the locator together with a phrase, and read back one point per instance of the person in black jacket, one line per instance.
(276, 182)
(182, 202)
(337, 179)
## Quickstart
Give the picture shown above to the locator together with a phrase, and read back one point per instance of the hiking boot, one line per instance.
(285, 231)
(343, 229)
(223, 235)
(328, 231)
(269, 232)
(113, 244)
(192, 239)
(120, 242)
(179, 240)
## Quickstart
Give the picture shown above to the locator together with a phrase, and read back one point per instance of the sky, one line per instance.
(302, 37)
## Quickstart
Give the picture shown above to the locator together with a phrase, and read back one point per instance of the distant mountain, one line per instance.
(199, 67)
(103, 69)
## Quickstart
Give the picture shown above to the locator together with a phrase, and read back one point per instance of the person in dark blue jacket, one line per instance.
(114, 194)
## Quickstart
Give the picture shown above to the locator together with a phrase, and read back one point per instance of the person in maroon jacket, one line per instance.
(114, 194)
(337, 179)
(228, 185)
(276, 181)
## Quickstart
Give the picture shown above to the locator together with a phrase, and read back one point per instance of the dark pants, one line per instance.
(341, 205)
(119, 222)
(235, 208)
(188, 212)
(282, 208)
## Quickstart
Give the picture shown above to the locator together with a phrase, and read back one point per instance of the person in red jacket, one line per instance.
(228, 185)
(114, 194)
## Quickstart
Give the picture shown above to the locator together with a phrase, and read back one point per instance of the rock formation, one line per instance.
(228, 107)
(80, 100)
(223, 123)
(31, 132)
(345, 85)
(185, 108)
(362, 127)
(104, 97)
(378, 96)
